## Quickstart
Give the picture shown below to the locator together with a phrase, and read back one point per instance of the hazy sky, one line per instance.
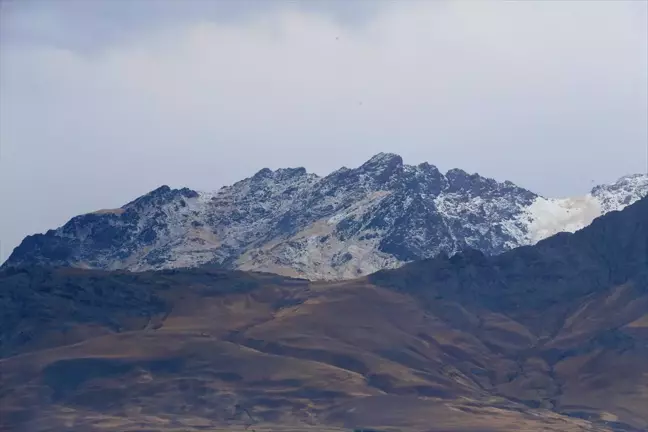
(103, 101)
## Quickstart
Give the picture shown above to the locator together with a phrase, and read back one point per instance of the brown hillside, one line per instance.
(338, 355)
(550, 338)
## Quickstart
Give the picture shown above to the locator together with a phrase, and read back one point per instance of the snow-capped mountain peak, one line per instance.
(349, 223)
(623, 192)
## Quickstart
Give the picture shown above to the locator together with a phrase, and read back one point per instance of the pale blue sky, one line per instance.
(101, 101)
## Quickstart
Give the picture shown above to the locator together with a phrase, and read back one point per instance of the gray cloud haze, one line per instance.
(103, 101)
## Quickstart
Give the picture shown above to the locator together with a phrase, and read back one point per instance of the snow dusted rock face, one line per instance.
(347, 224)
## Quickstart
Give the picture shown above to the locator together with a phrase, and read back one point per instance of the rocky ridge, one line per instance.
(349, 223)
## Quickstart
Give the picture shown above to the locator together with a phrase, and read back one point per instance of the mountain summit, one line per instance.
(349, 223)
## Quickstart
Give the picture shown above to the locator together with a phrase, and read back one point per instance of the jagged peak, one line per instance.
(292, 171)
(288, 173)
(425, 166)
(629, 180)
(632, 179)
(457, 172)
(383, 159)
(162, 192)
(281, 173)
(383, 166)
(262, 173)
(165, 189)
(460, 179)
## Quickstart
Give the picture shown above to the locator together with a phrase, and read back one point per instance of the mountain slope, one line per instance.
(347, 224)
(549, 337)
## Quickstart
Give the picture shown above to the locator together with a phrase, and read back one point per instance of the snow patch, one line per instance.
(547, 217)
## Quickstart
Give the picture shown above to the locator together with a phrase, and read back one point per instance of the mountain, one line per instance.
(350, 223)
(551, 337)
